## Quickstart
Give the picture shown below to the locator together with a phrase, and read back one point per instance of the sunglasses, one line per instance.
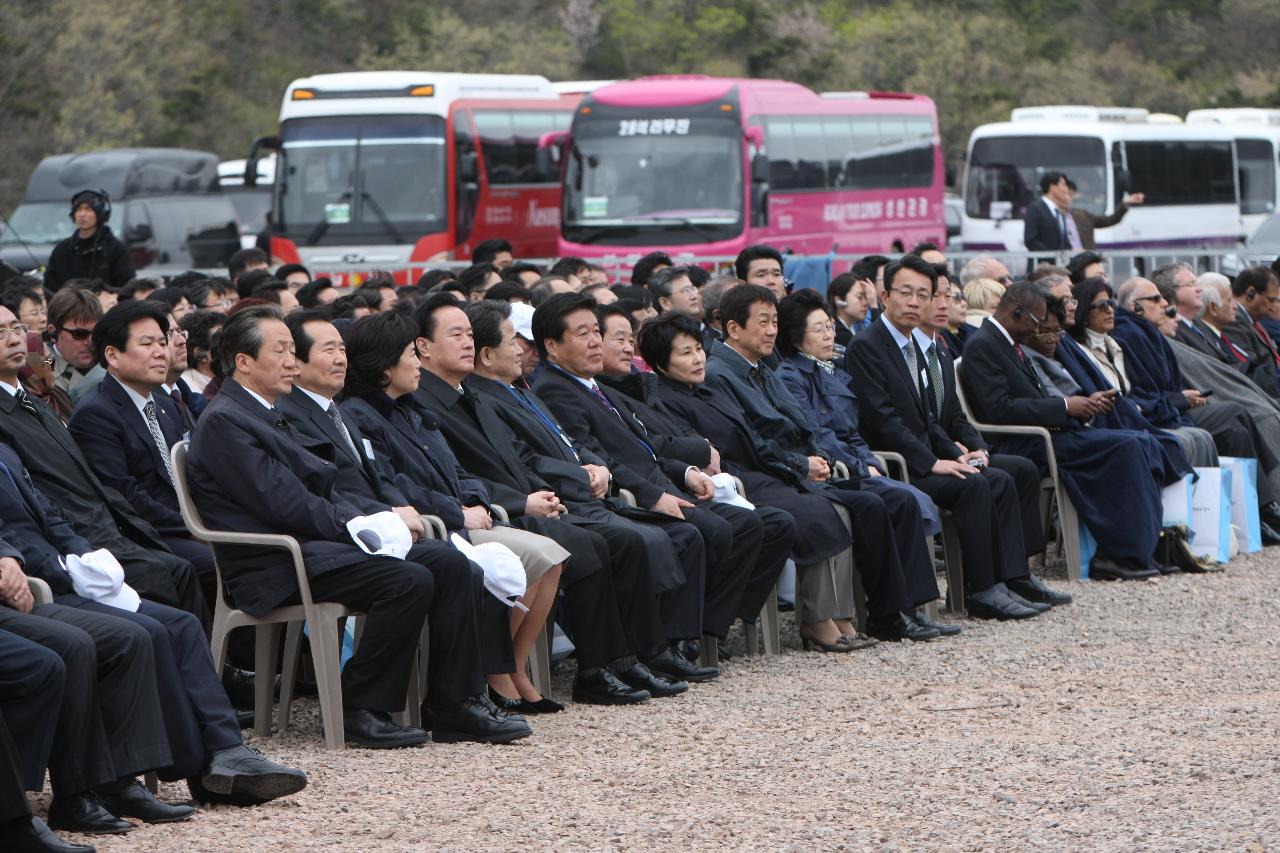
(77, 334)
(1104, 305)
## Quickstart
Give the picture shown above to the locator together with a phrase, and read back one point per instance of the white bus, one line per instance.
(1257, 135)
(1187, 173)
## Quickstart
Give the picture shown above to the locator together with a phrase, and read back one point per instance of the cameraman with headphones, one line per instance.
(93, 251)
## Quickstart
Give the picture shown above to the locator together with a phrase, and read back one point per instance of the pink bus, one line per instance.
(707, 165)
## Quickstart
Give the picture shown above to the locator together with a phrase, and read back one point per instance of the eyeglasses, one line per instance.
(1104, 305)
(16, 329)
(821, 328)
(1070, 301)
(922, 295)
(77, 334)
(180, 334)
(1049, 333)
(218, 303)
(958, 298)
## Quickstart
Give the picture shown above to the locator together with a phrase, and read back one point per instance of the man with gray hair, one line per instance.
(712, 293)
(1215, 307)
(985, 266)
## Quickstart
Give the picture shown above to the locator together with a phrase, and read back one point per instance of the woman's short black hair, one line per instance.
(112, 330)
(170, 296)
(658, 337)
(1085, 292)
(199, 326)
(793, 318)
(374, 345)
(1076, 266)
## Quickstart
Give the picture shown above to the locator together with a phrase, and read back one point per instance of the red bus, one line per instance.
(393, 170)
(707, 165)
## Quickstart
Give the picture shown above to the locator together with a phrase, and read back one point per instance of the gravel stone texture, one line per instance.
(1142, 717)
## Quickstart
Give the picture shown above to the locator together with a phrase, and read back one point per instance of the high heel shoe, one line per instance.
(856, 642)
(542, 706)
(809, 641)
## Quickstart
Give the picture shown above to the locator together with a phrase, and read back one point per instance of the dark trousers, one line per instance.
(159, 576)
(110, 724)
(32, 682)
(198, 717)
(875, 552)
(1026, 478)
(732, 537)
(908, 539)
(986, 513)
(764, 555)
(436, 583)
(630, 590)
(200, 556)
(676, 559)
(13, 797)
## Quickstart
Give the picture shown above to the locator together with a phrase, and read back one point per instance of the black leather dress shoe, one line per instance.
(1033, 589)
(944, 629)
(640, 677)
(1103, 569)
(242, 771)
(1269, 534)
(996, 603)
(677, 668)
(605, 688)
(83, 813)
(32, 835)
(376, 730)
(134, 800)
(899, 627)
(1037, 606)
(478, 720)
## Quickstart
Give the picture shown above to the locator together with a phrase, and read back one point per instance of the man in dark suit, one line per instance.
(1210, 301)
(567, 333)
(889, 552)
(100, 725)
(199, 722)
(1046, 224)
(1256, 290)
(995, 499)
(250, 471)
(1114, 476)
(613, 606)
(762, 536)
(31, 691)
(97, 512)
(127, 426)
(187, 402)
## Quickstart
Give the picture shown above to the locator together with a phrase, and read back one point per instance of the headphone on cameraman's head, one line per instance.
(96, 199)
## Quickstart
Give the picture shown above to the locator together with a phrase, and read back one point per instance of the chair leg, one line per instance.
(710, 650)
(540, 659)
(266, 647)
(752, 630)
(218, 644)
(325, 651)
(288, 680)
(952, 556)
(769, 623)
(1070, 524)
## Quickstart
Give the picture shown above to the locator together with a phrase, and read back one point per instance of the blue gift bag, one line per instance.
(1244, 501)
(1211, 515)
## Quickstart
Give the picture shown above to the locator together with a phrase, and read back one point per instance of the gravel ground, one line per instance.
(1142, 717)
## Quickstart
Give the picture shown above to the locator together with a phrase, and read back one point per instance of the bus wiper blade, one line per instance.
(382, 217)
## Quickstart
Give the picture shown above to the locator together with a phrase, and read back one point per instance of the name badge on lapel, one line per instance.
(368, 449)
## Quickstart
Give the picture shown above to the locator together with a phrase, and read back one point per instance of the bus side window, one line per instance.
(467, 188)
(781, 148)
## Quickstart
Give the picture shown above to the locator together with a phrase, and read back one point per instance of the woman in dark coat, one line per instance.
(672, 345)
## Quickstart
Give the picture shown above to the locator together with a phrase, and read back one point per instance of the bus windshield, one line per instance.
(365, 179)
(1004, 173)
(627, 178)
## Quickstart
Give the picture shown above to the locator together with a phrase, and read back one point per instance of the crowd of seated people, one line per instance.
(652, 453)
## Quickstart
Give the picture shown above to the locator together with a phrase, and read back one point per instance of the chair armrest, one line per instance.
(501, 512)
(435, 527)
(626, 497)
(739, 488)
(40, 591)
(839, 470)
(890, 460)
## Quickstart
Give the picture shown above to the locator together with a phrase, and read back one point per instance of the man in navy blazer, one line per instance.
(127, 426)
(1045, 223)
(251, 471)
(199, 722)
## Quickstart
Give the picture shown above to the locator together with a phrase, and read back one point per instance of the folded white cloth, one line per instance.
(383, 533)
(98, 576)
(503, 571)
(726, 493)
